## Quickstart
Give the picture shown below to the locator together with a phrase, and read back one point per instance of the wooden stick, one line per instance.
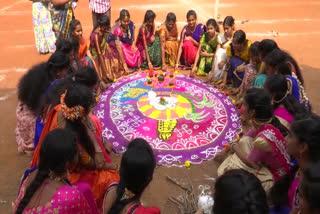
(174, 181)
(174, 200)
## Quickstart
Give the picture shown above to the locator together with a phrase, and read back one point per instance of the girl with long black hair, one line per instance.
(32, 88)
(46, 189)
(262, 150)
(136, 172)
(74, 114)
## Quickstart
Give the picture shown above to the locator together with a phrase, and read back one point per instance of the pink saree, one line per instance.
(265, 147)
(132, 58)
(284, 116)
(139, 42)
(67, 199)
(189, 49)
(99, 180)
(273, 154)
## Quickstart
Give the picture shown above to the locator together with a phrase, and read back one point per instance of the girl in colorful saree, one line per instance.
(286, 107)
(42, 26)
(250, 72)
(32, 88)
(224, 40)
(76, 33)
(136, 172)
(262, 150)
(148, 44)
(122, 33)
(207, 48)
(238, 57)
(279, 61)
(84, 75)
(302, 144)
(264, 48)
(168, 34)
(46, 188)
(189, 40)
(94, 167)
(107, 60)
(61, 15)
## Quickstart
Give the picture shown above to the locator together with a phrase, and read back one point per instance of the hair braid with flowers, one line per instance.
(75, 107)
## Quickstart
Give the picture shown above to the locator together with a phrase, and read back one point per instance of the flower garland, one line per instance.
(73, 113)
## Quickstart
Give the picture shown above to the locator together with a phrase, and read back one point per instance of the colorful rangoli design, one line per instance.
(189, 120)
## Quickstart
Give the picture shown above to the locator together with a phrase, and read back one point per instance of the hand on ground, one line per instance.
(222, 85)
(234, 91)
(150, 66)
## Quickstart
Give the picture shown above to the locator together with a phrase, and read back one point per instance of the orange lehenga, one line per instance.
(172, 43)
(98, 179)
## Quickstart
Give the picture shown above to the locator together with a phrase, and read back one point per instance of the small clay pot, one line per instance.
(161, 78)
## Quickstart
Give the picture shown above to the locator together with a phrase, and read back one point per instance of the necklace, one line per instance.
(195, 27)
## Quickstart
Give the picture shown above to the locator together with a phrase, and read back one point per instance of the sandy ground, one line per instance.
(296, 23)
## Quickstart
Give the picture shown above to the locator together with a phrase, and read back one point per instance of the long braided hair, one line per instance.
(259, 101)
(277, 86)
(58, 148)
(80, 95)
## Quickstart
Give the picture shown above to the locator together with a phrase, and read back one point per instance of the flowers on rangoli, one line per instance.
(163, 101)
(187, 164)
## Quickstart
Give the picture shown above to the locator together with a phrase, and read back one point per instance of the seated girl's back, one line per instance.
(47, 190)
(136, 171)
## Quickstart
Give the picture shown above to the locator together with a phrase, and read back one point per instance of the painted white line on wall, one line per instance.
(272, 21)
(271, 34)
(22, 46)
(268, 4)
(5, 97)
(216, 9)
(12, 5)
(222, 5)
(15, 31)
(20, 70)
(2, 77)
(162, 6)
(15, 13)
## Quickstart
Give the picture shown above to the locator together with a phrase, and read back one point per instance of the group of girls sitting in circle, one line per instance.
(273, 167)
(46, 188)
